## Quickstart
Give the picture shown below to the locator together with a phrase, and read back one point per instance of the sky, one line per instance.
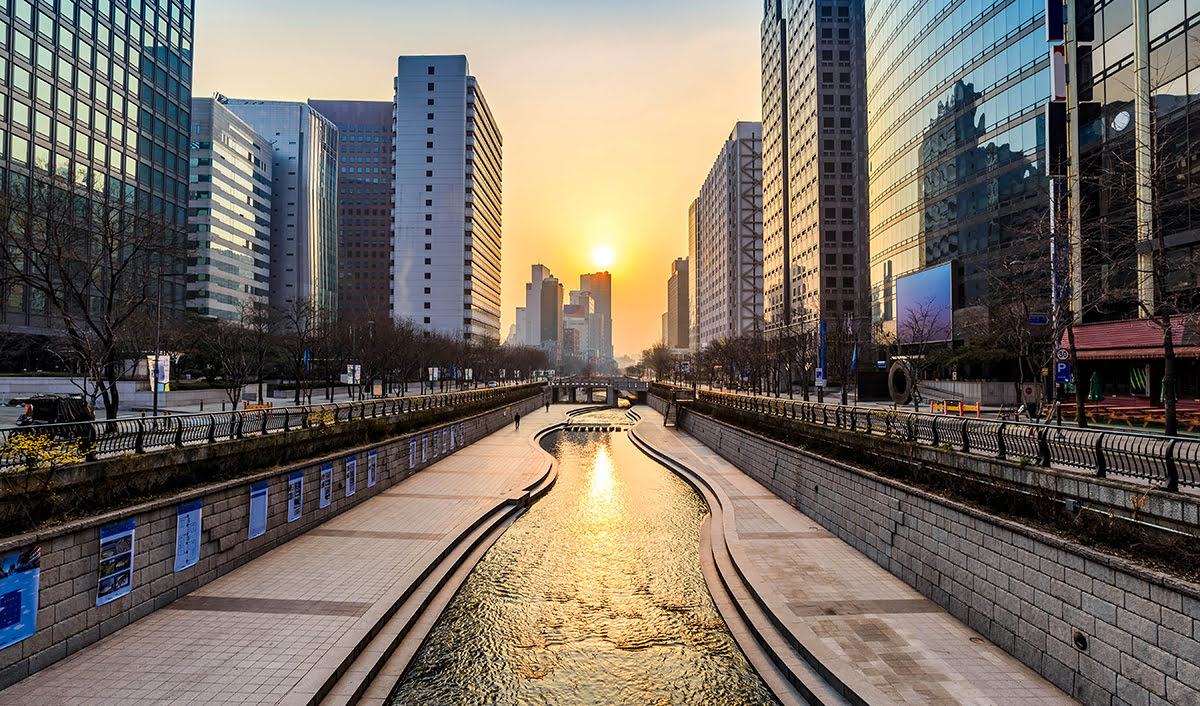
(612, 111)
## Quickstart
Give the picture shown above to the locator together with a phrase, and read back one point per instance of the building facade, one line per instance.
(956, 129)
(304, 215)
(365, 142)
(102, 99)
(229, 214)
(447, 225)
(814, 164)
(727, 251)
(598, 285)
(676, 327)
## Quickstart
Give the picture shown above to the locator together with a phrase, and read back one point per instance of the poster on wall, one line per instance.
(187, 535)
(445, 440)
(435, 444)
(326, 485)
(351, 475)
(116, 562)
(462, 437)
(412, 454)
(424, 448)
(295, 495)
(372, 469)
(451, 438)
(258, 509)
(19, 595)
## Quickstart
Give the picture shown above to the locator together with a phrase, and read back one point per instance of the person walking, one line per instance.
(547, 405)
(517, 419)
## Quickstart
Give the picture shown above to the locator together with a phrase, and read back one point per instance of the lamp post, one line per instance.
(157, 332)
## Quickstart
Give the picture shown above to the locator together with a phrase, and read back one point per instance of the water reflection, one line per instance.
(594, 596)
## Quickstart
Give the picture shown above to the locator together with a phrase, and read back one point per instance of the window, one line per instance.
(426, 321)
(429, 102)
(429, 187)
(428, 290)
(428, 231)
(430, 70)
(428, 131)
(428, 276)
(428, 216)
(428, 145)
(429, 116)
(429, 87)
(428, 261)
(429, 246)
(429, 159)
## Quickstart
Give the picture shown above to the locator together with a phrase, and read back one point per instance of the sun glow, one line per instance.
(603, 256)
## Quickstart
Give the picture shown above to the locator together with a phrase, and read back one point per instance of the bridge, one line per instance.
(581, 390)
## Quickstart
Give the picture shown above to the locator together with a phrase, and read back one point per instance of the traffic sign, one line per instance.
(820, 377)
(1038, 320)
(1062, 372)
(1062, 354)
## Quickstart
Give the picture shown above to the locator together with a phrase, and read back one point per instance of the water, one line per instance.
(594, 596)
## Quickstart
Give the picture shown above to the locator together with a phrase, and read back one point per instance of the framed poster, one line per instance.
(412, 454)
(116, 562)
(424, 448)
(187, 535)
(351, 475)
(435, 444)
(258, 509)
(19, 595)
(372, 468)
(452, 438)
(326, 485)
(295, 495)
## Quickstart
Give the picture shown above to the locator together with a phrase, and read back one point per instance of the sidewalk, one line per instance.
(290, 616)
(881, 636)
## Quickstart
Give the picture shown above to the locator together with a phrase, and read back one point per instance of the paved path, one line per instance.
(879, 631)
(252, 636)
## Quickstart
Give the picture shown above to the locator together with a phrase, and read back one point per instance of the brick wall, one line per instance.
(1027, 591)
(68, 618)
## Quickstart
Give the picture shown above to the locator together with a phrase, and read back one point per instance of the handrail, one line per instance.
(139, 435)
(1170, 462)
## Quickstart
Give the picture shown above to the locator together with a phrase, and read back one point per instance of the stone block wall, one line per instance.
(68, 618)
(1103, 630)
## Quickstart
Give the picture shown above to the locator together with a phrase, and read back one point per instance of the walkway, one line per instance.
(271, 629)
(889, 643)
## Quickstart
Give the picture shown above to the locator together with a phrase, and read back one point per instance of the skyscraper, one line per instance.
(676, 335)
(814, 163)
(304, 217)
(229, 213)
(727, 251)
(101, 98)
(599, 286)
(447, 173)
(531, 318)
(364, 205)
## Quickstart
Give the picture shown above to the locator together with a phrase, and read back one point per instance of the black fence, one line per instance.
(1169, 461)
(137, 435)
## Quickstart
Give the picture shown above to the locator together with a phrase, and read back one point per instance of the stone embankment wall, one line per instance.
(1102, 629)
(68, 618)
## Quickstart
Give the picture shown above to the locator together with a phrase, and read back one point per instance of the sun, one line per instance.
(603, 256)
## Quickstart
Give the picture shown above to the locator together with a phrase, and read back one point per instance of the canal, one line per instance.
(594, 596)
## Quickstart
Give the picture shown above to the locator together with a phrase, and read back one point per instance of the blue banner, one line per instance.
(116, 562)
(258, 509)
(19, 578)
(372, 469)
(187, 535)
(351, 476)
(295, 495)
(326, 485)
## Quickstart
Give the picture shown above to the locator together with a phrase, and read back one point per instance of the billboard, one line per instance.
(925, 305)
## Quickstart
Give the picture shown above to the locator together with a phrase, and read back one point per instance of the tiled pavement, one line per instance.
(253, 635)
(881, 631)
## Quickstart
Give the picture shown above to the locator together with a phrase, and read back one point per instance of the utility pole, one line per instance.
(157, 332)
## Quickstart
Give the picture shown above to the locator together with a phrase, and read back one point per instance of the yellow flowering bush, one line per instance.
(45, 451)
(321, 418)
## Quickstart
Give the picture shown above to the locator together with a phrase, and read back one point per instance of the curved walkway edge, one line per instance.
(836, 627)
(319, 618)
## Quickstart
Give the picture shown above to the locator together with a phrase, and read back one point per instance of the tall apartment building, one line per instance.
(693, 320)
(676, 331)
(447, 174)
(530, 316)
(304, 216)
(599, 286)
(229, 213)
(88, 100)
(956, 128)
(814, 163)
(364, 244)
(727, 251)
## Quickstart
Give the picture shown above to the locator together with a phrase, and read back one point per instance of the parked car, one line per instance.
(493, 383)
(43, 410)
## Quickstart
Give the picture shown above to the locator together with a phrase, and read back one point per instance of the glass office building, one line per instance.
(98, 92)
(956, 134)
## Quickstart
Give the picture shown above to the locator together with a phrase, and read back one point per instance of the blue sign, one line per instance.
(326, 485)
(295, 495)
(116, 562)
(351, 475)
(1038, 320)
(187, 535)
(1062, 371)
(19, 595)
(258, 509)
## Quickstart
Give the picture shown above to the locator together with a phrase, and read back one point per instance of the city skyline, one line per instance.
(694, 66)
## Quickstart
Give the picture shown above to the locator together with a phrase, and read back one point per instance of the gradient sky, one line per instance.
(612, 111)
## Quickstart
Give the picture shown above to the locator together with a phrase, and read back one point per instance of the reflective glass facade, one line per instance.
(229, 214)
(99, 92)
(956, 133)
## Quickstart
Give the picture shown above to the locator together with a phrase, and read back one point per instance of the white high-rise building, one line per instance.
(727, 250)
(447, 207)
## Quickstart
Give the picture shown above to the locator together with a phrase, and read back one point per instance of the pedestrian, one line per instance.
(547, 405)
(517, 419)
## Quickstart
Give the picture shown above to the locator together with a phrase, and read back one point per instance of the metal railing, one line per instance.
(137, 435)
(1169, 461)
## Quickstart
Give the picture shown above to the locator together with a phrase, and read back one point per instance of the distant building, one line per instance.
(727, 250)
(229, 213)
(551, 323)
(675, 334)
(304, 217)
(579, 316)
(364, 189)
(447, 176)
(599, 286)
(532, 315)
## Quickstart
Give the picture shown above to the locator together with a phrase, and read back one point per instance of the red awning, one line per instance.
(1136, 339)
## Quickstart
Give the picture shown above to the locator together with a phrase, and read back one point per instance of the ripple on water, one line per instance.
(593, 596)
